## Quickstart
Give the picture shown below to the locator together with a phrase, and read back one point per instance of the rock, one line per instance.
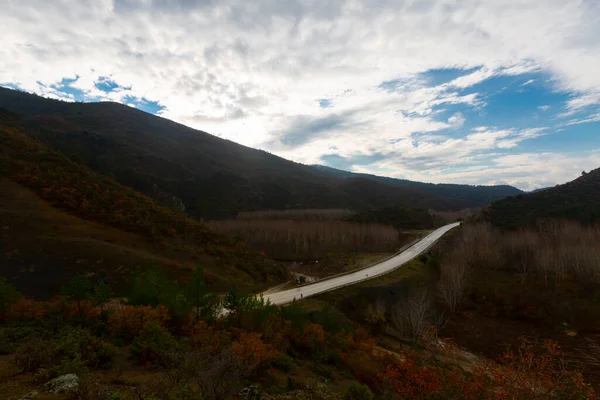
(571, 333)
(68, 383)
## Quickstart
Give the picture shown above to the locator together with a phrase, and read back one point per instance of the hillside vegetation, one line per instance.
(578, 200)
(207, 176)
(90, 223)
(172, 343)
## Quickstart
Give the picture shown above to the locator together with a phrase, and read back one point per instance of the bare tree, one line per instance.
(452, 284)
(412, 315)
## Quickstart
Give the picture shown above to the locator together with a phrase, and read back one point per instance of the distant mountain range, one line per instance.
(210, 177)
(478, 195)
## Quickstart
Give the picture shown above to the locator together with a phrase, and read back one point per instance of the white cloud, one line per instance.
(544, 107)
(457, 120)
(529, 82)
(253, 71)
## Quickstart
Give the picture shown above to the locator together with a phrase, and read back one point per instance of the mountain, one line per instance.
(193, 171)
(479, 195)
(577, 200)
(58, 218)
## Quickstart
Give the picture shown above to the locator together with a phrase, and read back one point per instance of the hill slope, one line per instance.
(59, 218)
(479, 195)
(182, 167)
(576, 200)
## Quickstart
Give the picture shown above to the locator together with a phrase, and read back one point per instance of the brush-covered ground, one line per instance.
(172, 342)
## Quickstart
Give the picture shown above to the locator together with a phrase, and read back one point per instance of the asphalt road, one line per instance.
(374, 271)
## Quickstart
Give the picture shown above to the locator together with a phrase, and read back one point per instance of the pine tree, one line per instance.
(78, 289)
(102, 295)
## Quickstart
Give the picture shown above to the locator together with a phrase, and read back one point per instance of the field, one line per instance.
(310, 240)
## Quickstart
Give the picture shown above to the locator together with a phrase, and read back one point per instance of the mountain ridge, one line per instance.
(189, 169)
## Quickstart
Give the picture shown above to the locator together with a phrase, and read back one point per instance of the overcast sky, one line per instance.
(464, 91)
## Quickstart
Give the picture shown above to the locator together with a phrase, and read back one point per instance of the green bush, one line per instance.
(357, 391)
(34, 354)
(71, 348)
(11, 337)
(151, 344)
(283, 362)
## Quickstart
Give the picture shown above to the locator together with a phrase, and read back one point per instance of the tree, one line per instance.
(102, 295)
(8, 295)
(452, 283)
(197, 291)
(78, 289)
(153, 288)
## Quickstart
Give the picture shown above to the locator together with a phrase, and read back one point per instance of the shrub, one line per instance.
(128, 322)
(27, 310)
(206, 338)
(283, 362)
(151, 344)
(71, 348)
(32, 355)
(250, 348)
(357, 391)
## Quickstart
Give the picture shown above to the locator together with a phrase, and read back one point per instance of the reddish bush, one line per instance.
(205, 337)
(250, 348)
(84, 310)
(129, 321)
(27, 310)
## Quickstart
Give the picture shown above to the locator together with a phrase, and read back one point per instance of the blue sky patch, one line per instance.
(106, 84)
(152, 107)
(324, 103)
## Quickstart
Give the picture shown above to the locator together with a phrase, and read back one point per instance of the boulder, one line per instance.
(68, 383)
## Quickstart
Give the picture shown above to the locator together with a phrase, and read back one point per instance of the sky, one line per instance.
(459, 91)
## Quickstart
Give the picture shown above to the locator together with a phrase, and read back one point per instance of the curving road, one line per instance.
(374, 271)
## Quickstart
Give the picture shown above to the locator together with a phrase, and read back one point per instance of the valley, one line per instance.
(124, 236)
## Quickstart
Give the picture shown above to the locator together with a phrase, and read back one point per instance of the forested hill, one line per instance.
(209, 177)
(577, 200)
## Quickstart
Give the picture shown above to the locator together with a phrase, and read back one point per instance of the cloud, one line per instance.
(402, 79)
(457, 120)
(529, 82)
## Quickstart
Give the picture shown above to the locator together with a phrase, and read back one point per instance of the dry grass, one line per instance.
(308, 214)
(302, 240)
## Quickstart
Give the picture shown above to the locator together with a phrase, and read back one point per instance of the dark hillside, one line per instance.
(184, 168)
(89, 223)
(578, 200)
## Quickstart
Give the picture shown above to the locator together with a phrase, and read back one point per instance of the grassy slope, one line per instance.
(577, 200)
(89, 223)
(215, 178)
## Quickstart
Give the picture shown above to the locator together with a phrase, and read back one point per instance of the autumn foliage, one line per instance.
(250, 348)
(131, 320)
